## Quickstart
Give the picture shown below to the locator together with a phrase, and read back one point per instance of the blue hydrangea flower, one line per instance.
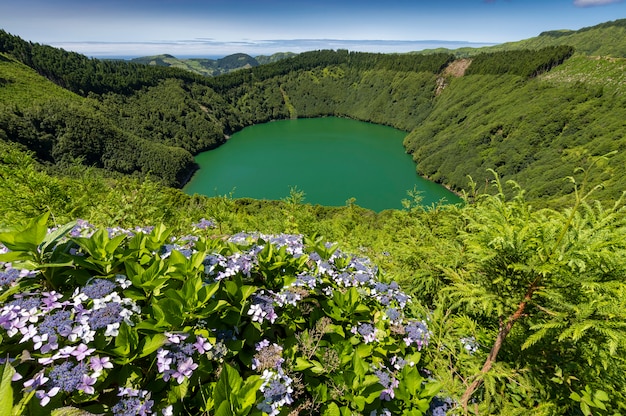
(110, 314)
(67, 376)
(99, 288)
(416, 332)
(9, 276)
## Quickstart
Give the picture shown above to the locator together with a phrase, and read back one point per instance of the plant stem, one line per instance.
(503, 331)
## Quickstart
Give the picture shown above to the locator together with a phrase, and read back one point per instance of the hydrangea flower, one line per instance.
(416, 332)
(276, 389)
(367, 331)
(133, 403)
(177, 358)
(205, 224)
(262, 308)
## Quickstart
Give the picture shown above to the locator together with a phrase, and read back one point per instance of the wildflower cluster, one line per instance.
(177, 359)
(58, 331)
(470, 344)
(133, 403)
(143, 323)
(276, 387)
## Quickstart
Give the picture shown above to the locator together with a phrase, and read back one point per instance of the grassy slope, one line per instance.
(22, 86)
(607, 39)
(202, 66)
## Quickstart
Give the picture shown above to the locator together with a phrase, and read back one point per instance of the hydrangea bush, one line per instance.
(140, 322)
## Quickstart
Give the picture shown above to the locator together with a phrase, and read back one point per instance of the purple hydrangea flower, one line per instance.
(110, 314)
(133, 403)
(67, 376)
(204, 224)
(416, 332)
(389, 383)
(59, 322)
(276, 389)
(98, 288)
(262, 308)
(367, 331)
(9, 276)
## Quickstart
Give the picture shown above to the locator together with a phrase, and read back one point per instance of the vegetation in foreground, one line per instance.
(523, 308)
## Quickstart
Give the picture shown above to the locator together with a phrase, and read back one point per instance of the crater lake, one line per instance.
(330, 159)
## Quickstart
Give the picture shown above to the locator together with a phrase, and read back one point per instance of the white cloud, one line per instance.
(592, 3)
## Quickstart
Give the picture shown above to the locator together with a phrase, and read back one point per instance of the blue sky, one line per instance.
(221, 27)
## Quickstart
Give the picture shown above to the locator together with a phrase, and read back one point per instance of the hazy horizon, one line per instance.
(217, 50)
(221, 27)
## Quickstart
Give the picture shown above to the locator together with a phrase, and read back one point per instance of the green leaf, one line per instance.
(360, 368)
(29, 238)
(6, 390)
(152, 344)
(317, 367)
(227, 385)
(332, 410)
(178, 391)
(12, 256)
(601, 395)
(173, 311)
(70, 411)
(126, 341)
(359, 403)
(302, 364)
(207, 291)
(431, 389)
(247, 394)
(53, 238)
(223, 409)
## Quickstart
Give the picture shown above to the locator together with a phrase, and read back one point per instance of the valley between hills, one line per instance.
(518, 295)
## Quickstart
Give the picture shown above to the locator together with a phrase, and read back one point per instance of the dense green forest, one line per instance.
(521, 288)
(515, 111)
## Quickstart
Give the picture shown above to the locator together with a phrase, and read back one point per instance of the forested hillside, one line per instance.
(213, 67)
(507, 111)
(510, 304)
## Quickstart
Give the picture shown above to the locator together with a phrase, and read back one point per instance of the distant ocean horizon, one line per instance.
(212, 49)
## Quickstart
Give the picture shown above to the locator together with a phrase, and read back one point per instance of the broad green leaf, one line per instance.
(227, 385)
(223, 409)
(53, 238)
(21, 256)
(126, 341)
(248, 392)
(431, 389)
(70, 411)
(207, 291)
(601, 395)
(352, 298)
(317, 367)
(28, 238)
(359, 403)
(332, 410)
(152, 343)
(247, 291)
(6, 390)
(302, 364)
(360, 368)
(190, 290)
(114, 243)
(178, 391)
(173, 311)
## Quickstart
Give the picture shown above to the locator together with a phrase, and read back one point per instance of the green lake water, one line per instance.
(330, 159)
